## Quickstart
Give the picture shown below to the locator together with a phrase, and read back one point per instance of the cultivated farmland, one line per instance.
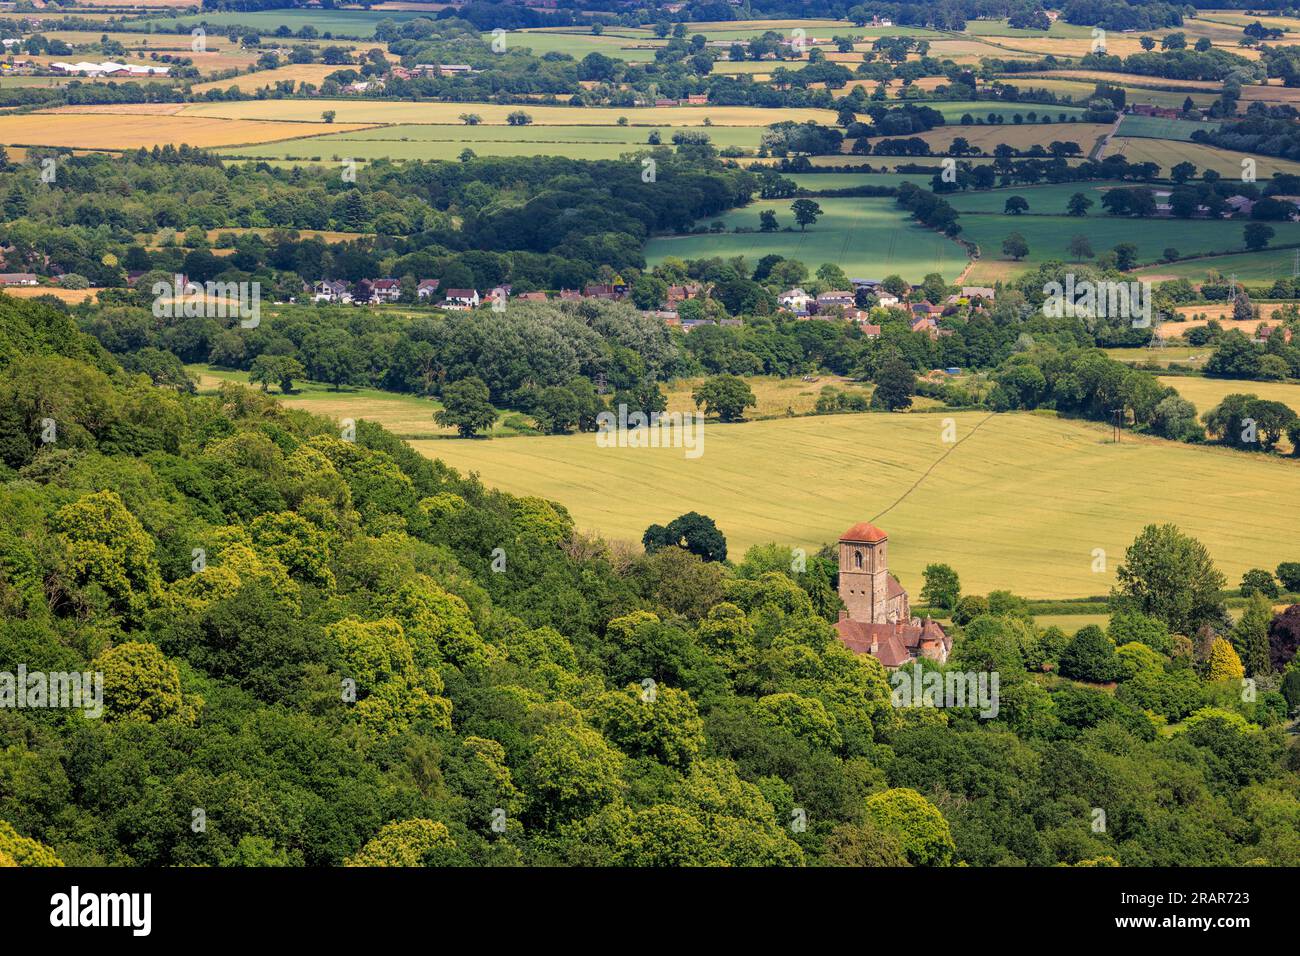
(864, 237)
(91, 131)
(1020, 504)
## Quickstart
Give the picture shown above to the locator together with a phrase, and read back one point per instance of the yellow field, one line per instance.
(371, 112)
(90, 131)
(1021, 503)
(1222, 313)
(299, 72)
(1205, 393)
(1018, 136)
(1168, 154)
(70, 296)
(1122, 79)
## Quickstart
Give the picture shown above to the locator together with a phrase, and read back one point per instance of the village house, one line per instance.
(19, 278)
(835, 298)
(426, 288)
(877, 619)
(1265, 332)
(331, 290)
(531, 297)
(459, 300)
(604, 291)
(385, 290)
(796, 300)
(680, 293)
(977, 292)
(1238, 205)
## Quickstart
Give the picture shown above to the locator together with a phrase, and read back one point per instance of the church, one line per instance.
(878, 617)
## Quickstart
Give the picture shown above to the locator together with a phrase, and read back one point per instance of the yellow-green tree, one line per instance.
(916, 823)
(409, 843)
(18, 850)
(107, 546)
(664, 724)
(1223, 662)
(141, 684)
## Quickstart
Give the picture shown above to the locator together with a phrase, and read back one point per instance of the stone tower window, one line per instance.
(857, 559)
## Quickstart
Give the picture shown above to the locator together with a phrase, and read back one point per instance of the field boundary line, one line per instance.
(939, 461)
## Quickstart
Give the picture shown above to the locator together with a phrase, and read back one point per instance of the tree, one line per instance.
(915, 823)
(518, 118)
(1257, 235)
(1250, 636)
(726, 396)
(805, 212)
(895, 385)
(942, 587)
(1126, 256)
(140, 684)
(276, 369)
(571, 773)
(470, 119)
(1171, 576)
(1078, 205)
(467, 407)
(1258, 581)
(1089, 656)
(692, 532)
(409, 843)
(1080, 248)
(1182, 172)
(328, 116)
(1015, 246)
(1147, 43)
(1223, 663)
(767, 221)
(1015, 205)
(1288, 573)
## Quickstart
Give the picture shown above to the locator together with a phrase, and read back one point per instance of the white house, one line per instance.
(796, 300)
(461, 299)
(331, 290)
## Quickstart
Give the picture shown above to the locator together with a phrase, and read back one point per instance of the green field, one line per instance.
(953, 111)
(338, 23)
(1047, 200)
(1049, 237)
(428, 142)
(1182, 354)
(865, 237)
(578, 45)
(407, 416)
(1156, 127)
(1265, 266)
(821, 181)
(1021, 504)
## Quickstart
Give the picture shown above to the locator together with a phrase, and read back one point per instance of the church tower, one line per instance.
(864, 573)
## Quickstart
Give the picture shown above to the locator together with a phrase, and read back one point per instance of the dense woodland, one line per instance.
(525, 694)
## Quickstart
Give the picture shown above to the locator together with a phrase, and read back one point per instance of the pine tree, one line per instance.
(1250, 636)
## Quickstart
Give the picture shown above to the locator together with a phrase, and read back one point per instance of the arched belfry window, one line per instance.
(857, 559)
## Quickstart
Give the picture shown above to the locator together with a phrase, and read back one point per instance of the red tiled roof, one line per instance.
(894, 643)
(864, 531)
